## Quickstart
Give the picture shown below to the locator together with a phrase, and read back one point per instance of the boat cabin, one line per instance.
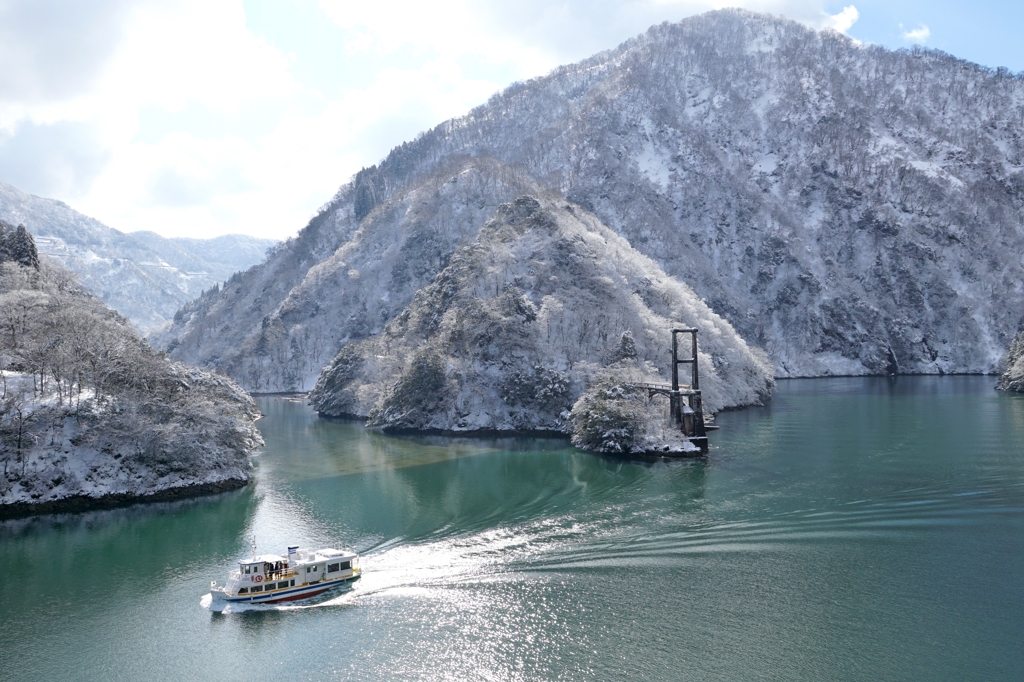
(324, 564)
(266, 566)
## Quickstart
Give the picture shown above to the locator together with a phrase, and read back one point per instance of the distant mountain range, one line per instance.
(142, 275)
(850, 209)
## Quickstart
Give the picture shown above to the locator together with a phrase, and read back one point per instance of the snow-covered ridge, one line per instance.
(850, 209)
(276, 326)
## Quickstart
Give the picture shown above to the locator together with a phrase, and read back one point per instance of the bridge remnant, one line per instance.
(688, 414)
(686, 410)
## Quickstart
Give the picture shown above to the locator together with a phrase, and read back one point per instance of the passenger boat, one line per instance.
(270, 578)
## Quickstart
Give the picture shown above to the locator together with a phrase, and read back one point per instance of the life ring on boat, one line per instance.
(258, 578)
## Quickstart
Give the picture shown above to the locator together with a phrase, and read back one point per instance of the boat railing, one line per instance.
(273, 576)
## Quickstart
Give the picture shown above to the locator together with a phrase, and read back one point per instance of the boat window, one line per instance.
(247, 570)
(283, 585)
(331, 568)
(346, 565)
(256, 588)
(243, 590)
(293, 583)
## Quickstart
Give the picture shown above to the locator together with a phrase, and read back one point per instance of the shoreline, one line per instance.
(82, 503)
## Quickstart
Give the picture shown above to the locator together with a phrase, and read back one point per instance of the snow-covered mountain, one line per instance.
(521, 320)
(142, 275)
(851, 209)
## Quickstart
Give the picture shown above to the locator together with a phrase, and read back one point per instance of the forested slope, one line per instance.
(90, 413)
(274, 327)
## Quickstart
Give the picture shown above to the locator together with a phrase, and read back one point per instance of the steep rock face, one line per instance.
(851, 209)
(521, 320)
(1013, 378)
(143, 276)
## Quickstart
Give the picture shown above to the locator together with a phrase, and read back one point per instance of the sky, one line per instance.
(196, 118)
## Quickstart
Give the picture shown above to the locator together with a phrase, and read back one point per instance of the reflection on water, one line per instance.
(319, 448)
(851, 529)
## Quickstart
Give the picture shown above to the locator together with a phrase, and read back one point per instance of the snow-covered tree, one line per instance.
(17, 244)
(1012, 378)
(21, 248)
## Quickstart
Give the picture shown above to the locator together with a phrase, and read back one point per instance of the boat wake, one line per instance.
(435, 565)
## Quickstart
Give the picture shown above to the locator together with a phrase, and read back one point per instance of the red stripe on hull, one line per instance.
(304, 595)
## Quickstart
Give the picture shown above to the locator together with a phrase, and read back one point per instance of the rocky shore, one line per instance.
(90, 414)
(101, 453)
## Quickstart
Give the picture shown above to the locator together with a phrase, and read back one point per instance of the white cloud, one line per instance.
(65, 155)
(243, 141)
(844, 20)
(173, 55)
(918, 35)
(54, 48)
(197, 51)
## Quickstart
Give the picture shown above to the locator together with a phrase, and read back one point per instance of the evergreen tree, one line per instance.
(626, 350)
(22, 248)
(5, 232)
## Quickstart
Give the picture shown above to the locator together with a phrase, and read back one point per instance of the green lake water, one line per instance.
(853, 529)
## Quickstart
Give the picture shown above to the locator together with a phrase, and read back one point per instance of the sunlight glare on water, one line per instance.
(852, 529)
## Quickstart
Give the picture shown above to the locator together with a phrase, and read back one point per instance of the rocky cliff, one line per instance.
(1013, 378)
